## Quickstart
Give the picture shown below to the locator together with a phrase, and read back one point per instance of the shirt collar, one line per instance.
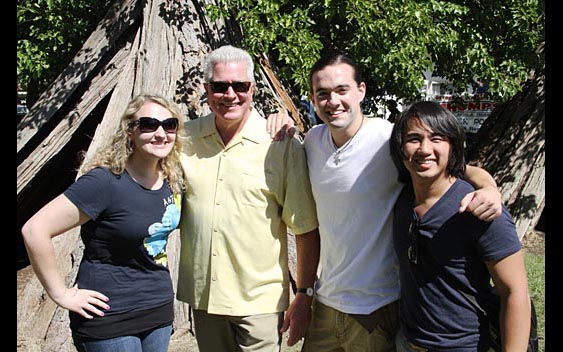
(253, 129)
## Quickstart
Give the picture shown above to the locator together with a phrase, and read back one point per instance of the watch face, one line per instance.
(310, 292)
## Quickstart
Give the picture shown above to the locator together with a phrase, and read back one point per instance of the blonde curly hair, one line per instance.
(114, 154)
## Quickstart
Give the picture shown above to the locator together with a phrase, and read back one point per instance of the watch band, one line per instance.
(306, 290)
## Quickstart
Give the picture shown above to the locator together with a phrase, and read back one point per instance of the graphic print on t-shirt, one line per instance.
(159, 231)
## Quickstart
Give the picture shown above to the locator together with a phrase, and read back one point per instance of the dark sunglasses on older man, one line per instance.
(150, 124)
(222, 87)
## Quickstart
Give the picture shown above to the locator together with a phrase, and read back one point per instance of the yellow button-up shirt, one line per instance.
(238, 205)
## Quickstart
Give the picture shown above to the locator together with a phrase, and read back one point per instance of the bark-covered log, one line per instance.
(95, 49)
(511, 146)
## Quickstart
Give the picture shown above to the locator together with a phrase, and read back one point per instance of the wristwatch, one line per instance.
(308, 291)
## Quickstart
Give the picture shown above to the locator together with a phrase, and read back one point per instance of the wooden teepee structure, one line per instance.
(140, 46)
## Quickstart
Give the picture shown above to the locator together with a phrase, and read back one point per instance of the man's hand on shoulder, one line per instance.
(485, 203)
(278, 124)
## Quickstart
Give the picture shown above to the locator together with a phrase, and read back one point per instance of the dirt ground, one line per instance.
(534, 242)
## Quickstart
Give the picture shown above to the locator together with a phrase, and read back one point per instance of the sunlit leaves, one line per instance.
(394, 41)
(49, 32)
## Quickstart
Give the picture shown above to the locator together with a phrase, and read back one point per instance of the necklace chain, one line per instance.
(337, 151)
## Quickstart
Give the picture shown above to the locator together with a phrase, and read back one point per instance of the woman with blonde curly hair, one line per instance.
(127, 202)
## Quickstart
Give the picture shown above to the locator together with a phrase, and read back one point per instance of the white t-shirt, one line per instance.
(355, 199)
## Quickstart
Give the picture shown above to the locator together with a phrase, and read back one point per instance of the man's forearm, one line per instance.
(479, 177)
(308, 250)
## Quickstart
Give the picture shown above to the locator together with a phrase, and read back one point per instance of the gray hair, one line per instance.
(225, 54)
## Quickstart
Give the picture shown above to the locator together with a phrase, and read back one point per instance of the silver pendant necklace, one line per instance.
(337, 151)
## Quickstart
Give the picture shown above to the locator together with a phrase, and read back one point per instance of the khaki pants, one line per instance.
(225, 333)
(332, 330)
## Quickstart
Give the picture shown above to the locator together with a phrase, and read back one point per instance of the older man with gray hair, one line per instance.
(243, 192)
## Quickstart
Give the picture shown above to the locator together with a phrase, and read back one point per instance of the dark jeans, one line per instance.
(156, 340)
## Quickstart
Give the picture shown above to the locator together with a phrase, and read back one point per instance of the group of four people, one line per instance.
(380, 212)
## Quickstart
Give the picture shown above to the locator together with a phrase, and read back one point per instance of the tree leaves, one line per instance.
(394, 41)
(49, 33)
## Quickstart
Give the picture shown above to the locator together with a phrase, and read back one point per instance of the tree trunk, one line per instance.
(511, 146)
(151, 46)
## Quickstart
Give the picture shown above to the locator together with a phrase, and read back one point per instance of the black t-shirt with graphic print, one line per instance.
(125, 252)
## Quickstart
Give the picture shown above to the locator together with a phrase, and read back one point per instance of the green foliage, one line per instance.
(279, 28)
(49, 33)
(394, 41)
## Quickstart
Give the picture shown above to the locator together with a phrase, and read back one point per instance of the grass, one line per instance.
(535, 267)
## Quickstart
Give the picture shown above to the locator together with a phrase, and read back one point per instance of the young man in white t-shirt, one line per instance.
(355, 186)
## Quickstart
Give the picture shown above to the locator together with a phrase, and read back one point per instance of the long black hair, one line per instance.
(441, 121)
